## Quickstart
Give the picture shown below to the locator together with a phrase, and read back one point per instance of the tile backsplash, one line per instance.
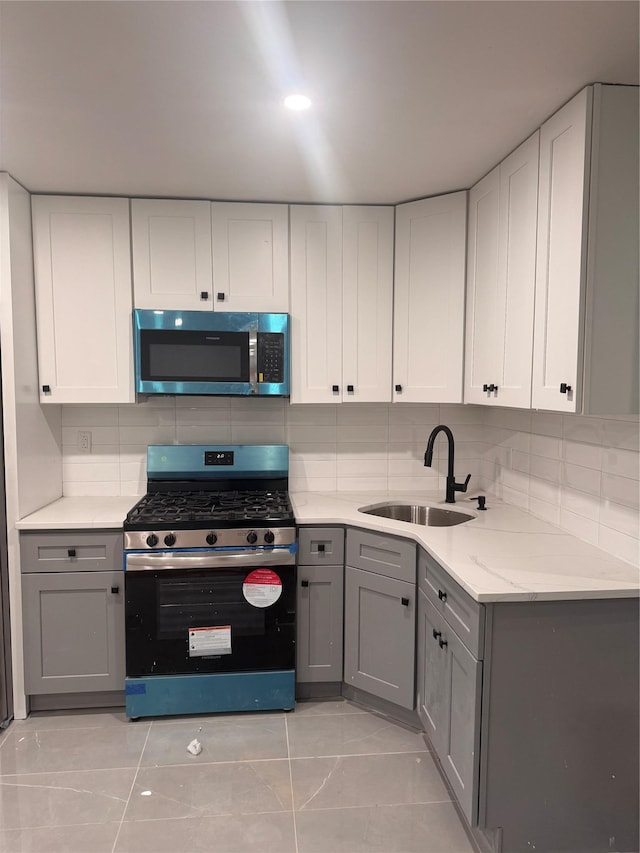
(577, 472)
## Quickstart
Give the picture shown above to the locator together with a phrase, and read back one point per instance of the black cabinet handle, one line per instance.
(220, 297)
(204, 294)
(485, 387)
(335, 388)
(320, 547)
(46, 389)
(436, 634)
(71, 552)
(350, 389)
(115, 590)
(442, 595)
(564, 388)
(399, 389)
(442, 643)
(304, 583)
(491, 387)
(404, 602)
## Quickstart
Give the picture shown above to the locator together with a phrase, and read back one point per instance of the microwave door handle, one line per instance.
(253, 558)
(253, 359)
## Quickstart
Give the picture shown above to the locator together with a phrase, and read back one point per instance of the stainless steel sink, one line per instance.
(430, 516)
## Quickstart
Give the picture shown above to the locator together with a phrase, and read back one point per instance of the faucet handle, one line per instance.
(462, 487)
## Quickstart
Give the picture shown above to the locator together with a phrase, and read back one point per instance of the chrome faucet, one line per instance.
(452, 486)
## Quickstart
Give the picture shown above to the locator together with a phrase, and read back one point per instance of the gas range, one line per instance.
(201, 496)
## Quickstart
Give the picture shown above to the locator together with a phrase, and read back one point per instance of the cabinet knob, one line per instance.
(71, 552)
(46, 389)
(404, 602)
(204, 295)
(115, 590)
(350, 389)
(304, 583)
(436, 634)
(485, 387)
(399, 389)
(564, 388)
(442, 643)
(335, 388)
(220, 297)
(442, 595)
(320, 547)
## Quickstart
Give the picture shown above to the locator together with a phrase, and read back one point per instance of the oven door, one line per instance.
(187, 613)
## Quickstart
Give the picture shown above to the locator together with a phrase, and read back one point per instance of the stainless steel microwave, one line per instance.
(210, 352)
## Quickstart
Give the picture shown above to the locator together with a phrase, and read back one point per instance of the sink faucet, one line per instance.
(452, 486)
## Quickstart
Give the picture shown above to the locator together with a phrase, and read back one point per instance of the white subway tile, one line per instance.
(619, 544)
(620, 518)
(90, 472)
(520, 461)
(101, 453)
(409, 468)
(312, 484)
(311, 415)
(197, 417)
(542, 490)
(461, 414)
(87, 416)
(147, 435)
(103, 436)
(545, 469)
(497, 455)
(298, 435)
(411, 433)
(583, 479)
(362, 450)
(147, 416)
(579, 526)
(624, 434)
(133, 488)
(621, 490)
(258, 433)
(81, 490)
(580, 503)
(583, 429)
(586, 455)
(515, 480)
(362, 484)
(546, 423)
(414, 413)
(515, 497)
(203, 434)
(470, 449)
(263, 409)
(548, 512)
(356, 433)
(361, 467)
(312, 468)
(190, 402)
(624, 463)
(363, 414)
(518, 420)
(412, 484)
(544, 445)
(134, 471)
(320, 452)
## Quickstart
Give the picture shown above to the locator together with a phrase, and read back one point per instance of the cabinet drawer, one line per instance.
(383, 555)
(461, 612)
(321, 546)
(71, 550)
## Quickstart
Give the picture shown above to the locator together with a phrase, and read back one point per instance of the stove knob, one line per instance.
(152, 540)
(211, 538)
(269, 537)
(170, 539)
(252, 537)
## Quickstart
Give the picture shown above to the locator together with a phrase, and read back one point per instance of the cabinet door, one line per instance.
(561, 255)
(82, 264)
(171, 252)
(379, 636)
(319, 623)
(367, 303)
(485, 326)
(250, 256)
(431, 674)
(74, 632)
(428, 326)
(316, 304)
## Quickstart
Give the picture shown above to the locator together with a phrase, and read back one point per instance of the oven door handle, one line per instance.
(256, 558)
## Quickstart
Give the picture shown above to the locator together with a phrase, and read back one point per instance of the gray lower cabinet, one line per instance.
(449, 684)
(319, 603)
(73, 611)
(74, 632)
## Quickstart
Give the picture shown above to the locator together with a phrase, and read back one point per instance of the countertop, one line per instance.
(503, 554)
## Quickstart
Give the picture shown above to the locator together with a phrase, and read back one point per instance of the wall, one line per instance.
(579, 473)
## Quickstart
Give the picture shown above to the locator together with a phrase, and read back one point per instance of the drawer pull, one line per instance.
(436, 634)
(442, 643)
(442, 595)
(304, 583)
(404, 602)
(115, 590)
(71, 552)
(321, 548)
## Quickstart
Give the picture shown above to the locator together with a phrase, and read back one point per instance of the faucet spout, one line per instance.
(452, 486)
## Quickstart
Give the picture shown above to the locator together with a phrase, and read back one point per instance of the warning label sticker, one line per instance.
(210, 641)
(262, 587)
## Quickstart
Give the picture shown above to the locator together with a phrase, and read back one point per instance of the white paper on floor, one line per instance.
(195, 747)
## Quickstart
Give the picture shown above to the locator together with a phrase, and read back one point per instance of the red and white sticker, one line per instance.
(262, 588)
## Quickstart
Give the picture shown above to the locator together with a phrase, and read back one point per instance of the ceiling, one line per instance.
(183, 99)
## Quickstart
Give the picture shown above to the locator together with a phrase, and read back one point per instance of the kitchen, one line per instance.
(577, 472)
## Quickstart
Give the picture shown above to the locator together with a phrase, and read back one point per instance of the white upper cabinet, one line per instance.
(501, 265)
(82, 262)
(341, 302)
(171, 251)
(428, 333)
(250, 256)
(586, 304)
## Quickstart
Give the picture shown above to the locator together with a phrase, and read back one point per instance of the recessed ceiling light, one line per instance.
(297, 102)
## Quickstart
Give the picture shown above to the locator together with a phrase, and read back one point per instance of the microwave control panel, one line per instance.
(271, 357)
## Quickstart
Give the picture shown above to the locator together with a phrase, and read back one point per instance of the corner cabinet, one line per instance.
(428, 328)
(341, 303)
(501, 270)
(201, 255)
(82, 265)
(585, 355)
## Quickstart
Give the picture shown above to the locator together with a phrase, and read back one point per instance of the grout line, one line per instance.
(135, 776)
(293, 805)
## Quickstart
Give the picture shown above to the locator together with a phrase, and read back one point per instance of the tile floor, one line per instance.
(327, 778)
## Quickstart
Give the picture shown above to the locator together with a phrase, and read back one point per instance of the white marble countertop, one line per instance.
(504, 554)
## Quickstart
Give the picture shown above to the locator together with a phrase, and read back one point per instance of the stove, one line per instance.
(209, 559)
